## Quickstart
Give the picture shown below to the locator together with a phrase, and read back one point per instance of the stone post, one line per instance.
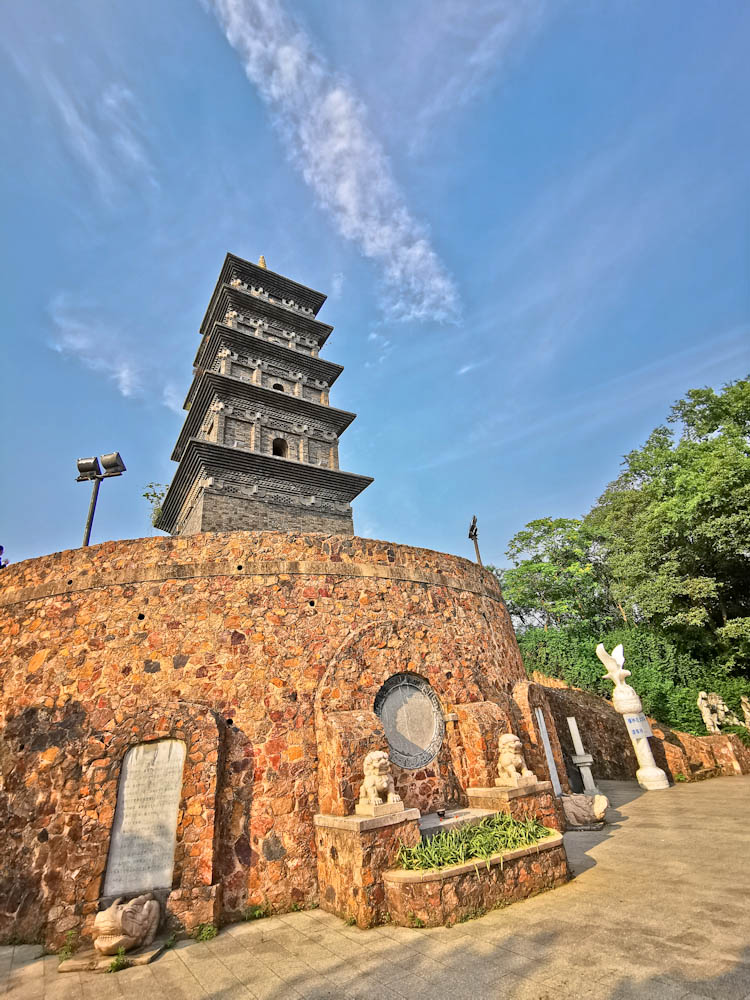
(581, 759)
(629, 705)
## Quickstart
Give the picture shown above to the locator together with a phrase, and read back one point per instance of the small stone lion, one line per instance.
(378, 787)
(511, 766)
(126, 925)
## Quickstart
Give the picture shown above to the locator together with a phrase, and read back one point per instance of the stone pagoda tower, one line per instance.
(259, 447)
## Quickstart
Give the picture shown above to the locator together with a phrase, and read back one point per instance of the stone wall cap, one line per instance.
(399, 876)
(361, 824)
(506, 793)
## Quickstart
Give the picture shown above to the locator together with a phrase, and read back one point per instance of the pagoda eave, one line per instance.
(206, 458)
(211, 383)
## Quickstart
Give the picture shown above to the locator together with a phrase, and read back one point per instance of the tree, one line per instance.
(557, 577)
(674, 528)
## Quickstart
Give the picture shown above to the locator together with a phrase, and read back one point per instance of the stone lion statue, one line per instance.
(511, 767)
(126, 925)
(378, 787)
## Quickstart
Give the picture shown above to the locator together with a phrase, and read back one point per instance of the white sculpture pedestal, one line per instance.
(629, 705)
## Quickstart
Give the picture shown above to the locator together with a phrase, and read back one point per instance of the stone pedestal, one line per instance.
(530, 800)
(353, 853)
(378, 809)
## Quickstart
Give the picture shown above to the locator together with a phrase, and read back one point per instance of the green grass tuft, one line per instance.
(473, 843)
(205, 932)
(119, 962)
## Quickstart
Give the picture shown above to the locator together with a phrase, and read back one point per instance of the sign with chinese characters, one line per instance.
(141, 853)
(638, 726)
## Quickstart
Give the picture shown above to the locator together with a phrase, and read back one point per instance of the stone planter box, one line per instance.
(438, 897)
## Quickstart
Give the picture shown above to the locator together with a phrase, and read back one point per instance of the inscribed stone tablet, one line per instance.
(141, 852)
(412, 719)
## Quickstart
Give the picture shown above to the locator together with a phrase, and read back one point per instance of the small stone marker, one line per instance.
(141, 853)
(583, 760)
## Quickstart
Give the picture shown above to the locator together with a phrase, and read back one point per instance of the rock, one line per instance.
(584, 810)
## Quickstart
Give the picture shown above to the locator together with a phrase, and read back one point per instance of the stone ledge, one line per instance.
(259, 568)
(506, 793)
(401, 877)
(361, 824)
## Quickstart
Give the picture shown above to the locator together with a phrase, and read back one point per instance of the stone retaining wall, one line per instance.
(268, 633)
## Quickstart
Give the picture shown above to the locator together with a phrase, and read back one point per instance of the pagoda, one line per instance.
(259, 447)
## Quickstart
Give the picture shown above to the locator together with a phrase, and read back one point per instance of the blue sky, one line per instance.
(530, 217)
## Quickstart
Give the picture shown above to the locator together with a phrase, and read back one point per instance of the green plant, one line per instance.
(205, 932)
(155, 493)
(473, 843)
(680, 777)
(472, 915)
(256, 912)
(119, 962)
(67, 950)
(296, 907)
(414, 920)
(170, 942)
(351, 921)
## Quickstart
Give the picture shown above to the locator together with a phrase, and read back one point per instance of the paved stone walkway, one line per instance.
(659, 908)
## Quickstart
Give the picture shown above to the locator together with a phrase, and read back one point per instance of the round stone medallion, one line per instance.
(412, 718)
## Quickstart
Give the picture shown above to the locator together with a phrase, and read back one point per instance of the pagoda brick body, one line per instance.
(259, 447)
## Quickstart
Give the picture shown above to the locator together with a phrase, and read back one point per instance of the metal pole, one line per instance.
(476, 549)
(92, 508)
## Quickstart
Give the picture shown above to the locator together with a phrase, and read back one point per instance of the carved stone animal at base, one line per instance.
(584, 810)
(511, 768)
(126, 925)
(378, 787)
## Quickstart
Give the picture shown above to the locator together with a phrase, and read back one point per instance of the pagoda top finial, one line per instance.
(262, 262)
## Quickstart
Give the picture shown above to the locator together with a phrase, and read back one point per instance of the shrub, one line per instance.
(205, 932)
(67, 950)
(473, 843)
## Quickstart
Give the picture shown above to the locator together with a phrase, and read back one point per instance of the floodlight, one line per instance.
(113, 464)
(88, 468)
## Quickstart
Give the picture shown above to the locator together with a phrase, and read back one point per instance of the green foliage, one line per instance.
(661, 564)
(170, 942)
(472, 843)
(674, 527)
(256, 912)
(667, 676)
(155, 493)
(205, 932)
(119, 962)
(68, 949)
(414, 920)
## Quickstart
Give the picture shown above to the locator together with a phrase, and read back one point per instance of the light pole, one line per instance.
(88, 469)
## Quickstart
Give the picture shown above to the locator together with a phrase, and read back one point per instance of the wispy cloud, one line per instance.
(106, 133)
(328, 138)
(80, 335)
(464, 55)
(337, 285)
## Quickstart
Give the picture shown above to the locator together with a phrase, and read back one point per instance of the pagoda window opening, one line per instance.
(280, 448)
(278, 386)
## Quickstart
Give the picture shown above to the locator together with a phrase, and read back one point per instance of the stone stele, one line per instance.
(511, 768)
(377, 795)
(141, 853)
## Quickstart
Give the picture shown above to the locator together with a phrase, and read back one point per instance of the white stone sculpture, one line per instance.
(511, 767)
(627, 703)
(584, 810)
(745, 702)
(126, 925)
(377, 794)
(716, 713)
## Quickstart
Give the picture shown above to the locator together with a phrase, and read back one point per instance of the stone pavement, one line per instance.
(659, 908)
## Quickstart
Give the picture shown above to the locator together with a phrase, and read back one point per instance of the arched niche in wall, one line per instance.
(412, 718)
(280, 448)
